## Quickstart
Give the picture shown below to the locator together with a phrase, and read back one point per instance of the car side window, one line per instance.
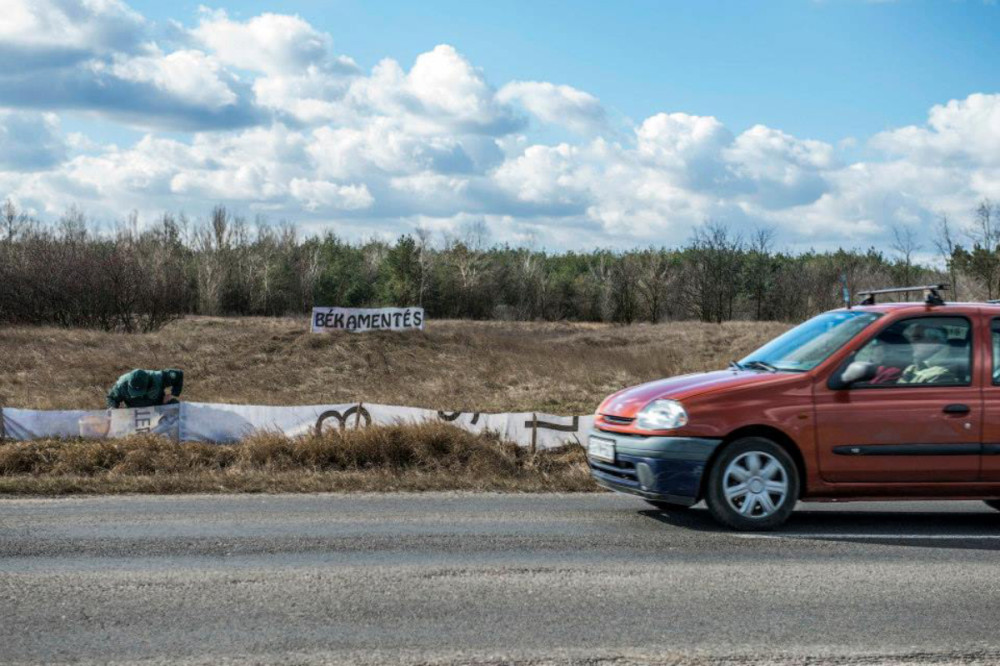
(923, 351)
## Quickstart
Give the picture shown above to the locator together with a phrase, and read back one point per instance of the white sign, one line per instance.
(367, 319)
(206, 422)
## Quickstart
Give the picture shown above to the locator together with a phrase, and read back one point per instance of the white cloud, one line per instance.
(52, 32)
(675, 140)
(547, 175)
(189, 75)
(449, 88)
(965, 131)
(267, 43)
(303, 77)
(441, 94)
(322, 194)
(428, 185)
(99, 56)
(557, 105)
(313, 97)
(384, 146)
(686, 146)
(784, 171)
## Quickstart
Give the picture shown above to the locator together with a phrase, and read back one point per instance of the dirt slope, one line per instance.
(454, 365)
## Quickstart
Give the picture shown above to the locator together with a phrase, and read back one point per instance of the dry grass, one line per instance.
(433, 456)
(559, 368)
(453, 365)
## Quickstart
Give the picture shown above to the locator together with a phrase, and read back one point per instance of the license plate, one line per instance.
(602, 449)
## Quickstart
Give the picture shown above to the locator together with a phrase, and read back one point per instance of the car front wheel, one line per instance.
(753, 485)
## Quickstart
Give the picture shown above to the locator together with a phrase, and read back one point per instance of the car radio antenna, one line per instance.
(930, 291)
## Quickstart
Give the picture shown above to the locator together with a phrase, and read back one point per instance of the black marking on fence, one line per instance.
(452, 416)
(357, 411)
(535, 423)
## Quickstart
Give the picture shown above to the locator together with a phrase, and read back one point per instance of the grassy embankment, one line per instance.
(470, 366)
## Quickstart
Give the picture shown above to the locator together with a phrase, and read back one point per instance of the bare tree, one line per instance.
(712, 279)
(14, 221)
(945, 242)
(532, 284)
(424, 258)
(656, 272)
(759, 270)
(470, 268)
(904, 242)
(475, 235)
(982, 263)
(624, 290)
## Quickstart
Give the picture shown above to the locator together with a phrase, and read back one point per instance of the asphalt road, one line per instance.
(455, 578)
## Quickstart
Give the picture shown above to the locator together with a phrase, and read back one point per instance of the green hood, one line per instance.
(141, 384)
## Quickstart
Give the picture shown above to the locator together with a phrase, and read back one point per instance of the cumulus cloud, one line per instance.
(135, 93)
(265, 43)
(680, 170)
(448, 87)
(300, 76)
(383, 146)
(273, 119)
(676, 140)
(963, 132)
(189, 75)
(555, 175)
(46, 33)
(782, 170)
(320, 193)
(98, 56)
(443, 93)
(557, 105)
(266, 168)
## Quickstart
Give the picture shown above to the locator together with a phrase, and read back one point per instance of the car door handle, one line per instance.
(956, 409)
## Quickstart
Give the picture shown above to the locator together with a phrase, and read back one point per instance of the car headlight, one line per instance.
(662, 415)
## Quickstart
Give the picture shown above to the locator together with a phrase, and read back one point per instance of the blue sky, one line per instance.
(824, 70)
(562, 124)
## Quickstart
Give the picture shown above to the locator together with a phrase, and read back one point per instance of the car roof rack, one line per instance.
(931, 295)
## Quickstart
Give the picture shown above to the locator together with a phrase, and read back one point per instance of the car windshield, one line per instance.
(810, 343)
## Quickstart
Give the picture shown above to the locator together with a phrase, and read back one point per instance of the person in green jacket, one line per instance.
(146, 388)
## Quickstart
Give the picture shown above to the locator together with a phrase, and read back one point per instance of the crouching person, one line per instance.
(146, 388)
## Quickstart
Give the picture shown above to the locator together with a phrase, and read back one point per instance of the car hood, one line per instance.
(628, 402)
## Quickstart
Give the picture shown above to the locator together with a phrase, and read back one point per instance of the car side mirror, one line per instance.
(856, 371)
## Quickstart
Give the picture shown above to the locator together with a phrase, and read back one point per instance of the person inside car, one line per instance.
(892, 354)
(927, 344)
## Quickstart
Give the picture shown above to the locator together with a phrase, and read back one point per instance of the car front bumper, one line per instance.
(667, 469)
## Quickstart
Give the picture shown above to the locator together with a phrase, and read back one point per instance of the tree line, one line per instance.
(136, 278)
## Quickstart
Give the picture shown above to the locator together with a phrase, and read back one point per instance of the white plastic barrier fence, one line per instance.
(221, 423)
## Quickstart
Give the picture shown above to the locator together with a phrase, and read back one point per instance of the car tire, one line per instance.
(667, 507)
(993, 503)
(753, 485)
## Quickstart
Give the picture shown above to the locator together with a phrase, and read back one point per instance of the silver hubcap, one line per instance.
(755, 484)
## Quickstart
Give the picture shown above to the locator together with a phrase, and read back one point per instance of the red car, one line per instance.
(875, 402)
